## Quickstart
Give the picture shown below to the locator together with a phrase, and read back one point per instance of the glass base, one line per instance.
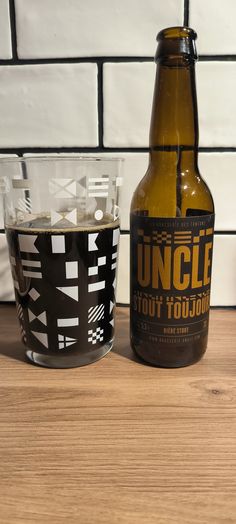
(68, 361)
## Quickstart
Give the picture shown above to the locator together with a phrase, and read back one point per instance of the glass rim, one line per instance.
(50, 158)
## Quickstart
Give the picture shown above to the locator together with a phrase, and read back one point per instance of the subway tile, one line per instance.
(58, 28)
(1, 196)
(48, 105)
(6, 286)
(214, 22)
(5, 31)
(128, 91)
(123, 292)
(219, 170)
(216, 86)
(223, 291)
(223, 272)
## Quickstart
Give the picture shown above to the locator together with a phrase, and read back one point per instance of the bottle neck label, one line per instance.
(171, 261)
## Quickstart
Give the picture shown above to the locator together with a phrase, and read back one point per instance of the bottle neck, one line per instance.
(174, 122)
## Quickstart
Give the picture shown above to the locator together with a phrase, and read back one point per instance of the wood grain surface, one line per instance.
(118, 442)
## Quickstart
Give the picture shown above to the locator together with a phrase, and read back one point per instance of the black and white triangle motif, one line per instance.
(42, 317)
(65, 342)
(70, 291)
(42, 337)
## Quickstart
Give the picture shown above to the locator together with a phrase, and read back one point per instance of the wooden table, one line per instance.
(118, 442)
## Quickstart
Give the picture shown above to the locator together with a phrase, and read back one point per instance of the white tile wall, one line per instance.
(219, 171)
(5, 31)
(1, 212)
(128, 91)
(223, 276)
(216, 85)
(62, 28)
(6, 286)
(214, 22)
(48, 105)
(1, 199)
(123, 287)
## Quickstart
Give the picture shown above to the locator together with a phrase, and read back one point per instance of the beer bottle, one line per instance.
(172, 219)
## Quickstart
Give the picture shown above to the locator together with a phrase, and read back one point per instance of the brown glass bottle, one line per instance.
(172, 219)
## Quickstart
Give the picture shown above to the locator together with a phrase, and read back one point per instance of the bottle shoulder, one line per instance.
(167, 193)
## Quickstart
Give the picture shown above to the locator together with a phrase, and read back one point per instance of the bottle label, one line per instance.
(171, 260)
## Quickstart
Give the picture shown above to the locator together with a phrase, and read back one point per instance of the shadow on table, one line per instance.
(125, 351)
(14, 350)
(122, 345)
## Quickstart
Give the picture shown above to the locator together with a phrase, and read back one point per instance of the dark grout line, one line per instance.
(121, 304)
(20, 151)
(13, 32)
(186, 12)
(217, 58)
(229, 149)
(100, 104)
(226, 232)
(99, 60)
(77, 60)
(44, 150)
(223, 307)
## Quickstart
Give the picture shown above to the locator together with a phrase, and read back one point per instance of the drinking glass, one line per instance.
(62, 227)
